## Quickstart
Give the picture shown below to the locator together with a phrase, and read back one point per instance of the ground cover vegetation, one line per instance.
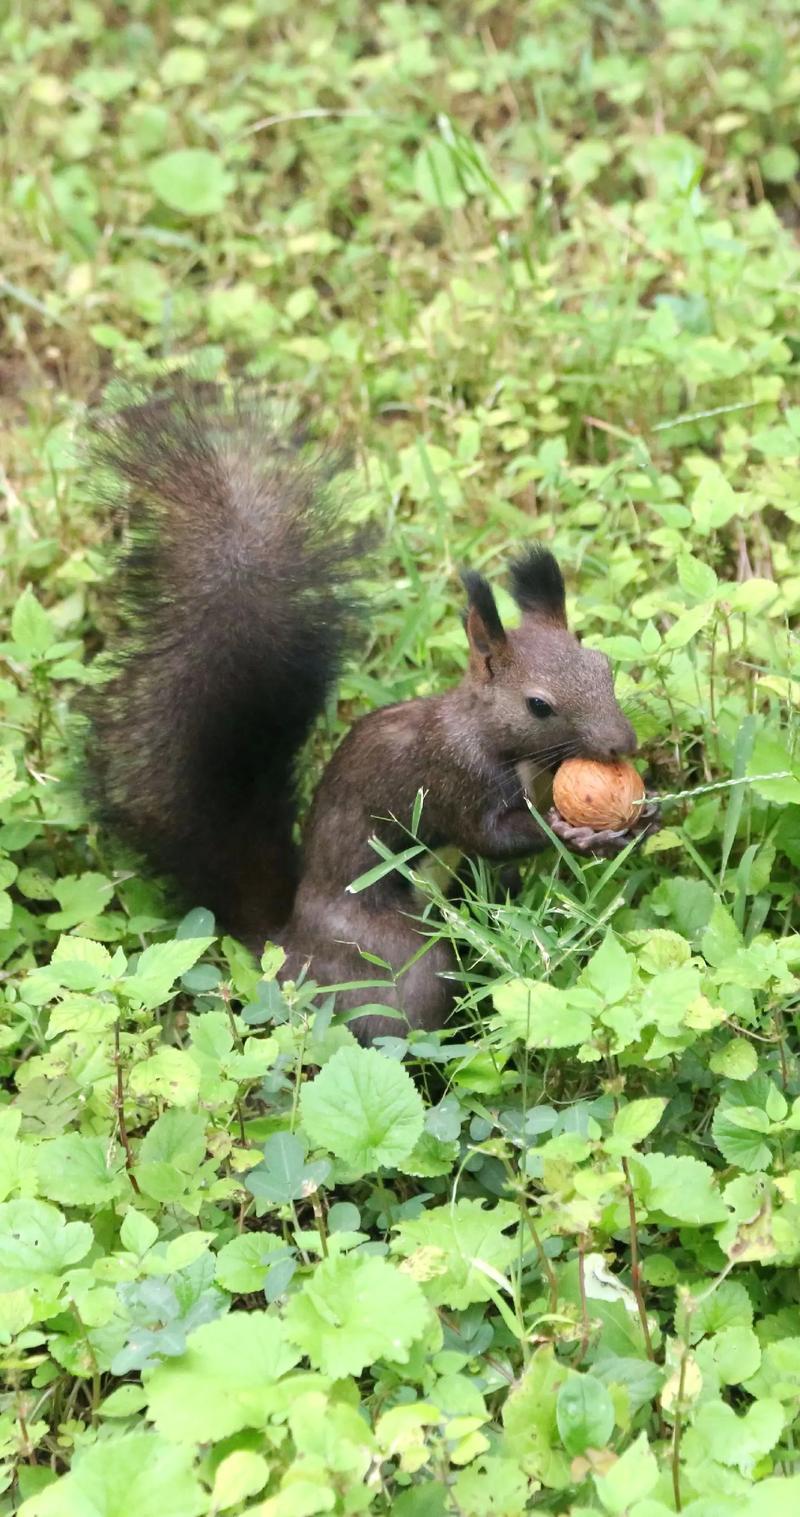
(539, 261)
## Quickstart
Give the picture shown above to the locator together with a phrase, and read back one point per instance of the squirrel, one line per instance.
(239, 602)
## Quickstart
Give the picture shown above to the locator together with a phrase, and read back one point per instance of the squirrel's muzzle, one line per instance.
(612, 741)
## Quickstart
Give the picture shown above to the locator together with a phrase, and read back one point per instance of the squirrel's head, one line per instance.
(541, 694)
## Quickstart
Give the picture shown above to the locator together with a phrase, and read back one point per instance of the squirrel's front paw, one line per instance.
(607, 842)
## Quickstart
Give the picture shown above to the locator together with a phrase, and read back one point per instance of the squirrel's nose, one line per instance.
(624, 742)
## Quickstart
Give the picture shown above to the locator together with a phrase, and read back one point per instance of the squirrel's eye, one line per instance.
(539, 708)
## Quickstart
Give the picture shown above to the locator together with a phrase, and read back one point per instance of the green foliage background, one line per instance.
(540, 260)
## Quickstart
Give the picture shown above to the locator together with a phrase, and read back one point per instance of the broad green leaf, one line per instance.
(696, 578)
(738, 1060)
(241, 1474)
(77, 1170)
(530, 1420)
(228, 1378)
(353, 1310)
(682, 1188)
(453, 1248)
(242, 1264)
(283, 1175)
(363, 1108)
(80, 897)
(738, 1141)
(631, 1478)
(778, 1497)
(540, 1015)
(714, 501)
(687, 626)
(718, 1433)
(158, 968)
(585, 1414)
(737, 1354)
(610, 970)
(634, 1121)
(168, 1075)
(31, 627)
(779, 1374)
(138, 1232)
(770, 756)
(190, 180)
(35, 1241)
(135, 1472)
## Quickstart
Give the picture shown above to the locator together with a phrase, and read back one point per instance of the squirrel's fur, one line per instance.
(238, 607)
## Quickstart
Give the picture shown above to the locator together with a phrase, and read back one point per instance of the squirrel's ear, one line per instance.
(537, 586)
(485, 633)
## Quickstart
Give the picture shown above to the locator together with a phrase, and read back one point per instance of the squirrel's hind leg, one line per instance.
(417, 997)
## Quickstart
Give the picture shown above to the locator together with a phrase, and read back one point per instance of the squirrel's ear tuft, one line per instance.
(485, 631)
(537, 585)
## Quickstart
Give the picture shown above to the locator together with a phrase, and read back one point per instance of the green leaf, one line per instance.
(680, 1187)
(138, 1232)
(31, 627)
(771, 756)
(714, 501)
(35, 1241)
(540, 1015)
(530, 1419)
(436, 177)
(779, 164)
(168, 1075)
(81, 1171)
(687, 626)
(461, 1244)
(356, 1309)
(717, 1433)
(242, 1264)
(737, 1354)
(228, 1378)
(133, 1472)
(80, 897)
(158, 968)
(779, 1497)
(738, 1060)
(363, 1108)
(190, 180)
(241, 1474)
(779, 1374)
(585, 1414)
(630, 1479)
(284, 1174)
(634, 1121)
(696, 578)
(738, 1141)
(610, 970)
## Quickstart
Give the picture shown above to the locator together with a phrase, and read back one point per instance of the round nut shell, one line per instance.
(601, 796)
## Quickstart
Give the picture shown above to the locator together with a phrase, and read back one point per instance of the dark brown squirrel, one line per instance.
(238, 604)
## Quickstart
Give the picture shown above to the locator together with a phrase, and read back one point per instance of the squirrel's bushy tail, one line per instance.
(236, 608)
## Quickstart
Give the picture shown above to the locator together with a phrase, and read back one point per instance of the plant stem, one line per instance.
(676, 1434)
(119, 1106)
(636, 1271)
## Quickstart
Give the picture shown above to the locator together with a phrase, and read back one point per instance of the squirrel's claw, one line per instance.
(606, 842)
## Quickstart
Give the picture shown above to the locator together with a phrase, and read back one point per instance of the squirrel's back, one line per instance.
(236, 608)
